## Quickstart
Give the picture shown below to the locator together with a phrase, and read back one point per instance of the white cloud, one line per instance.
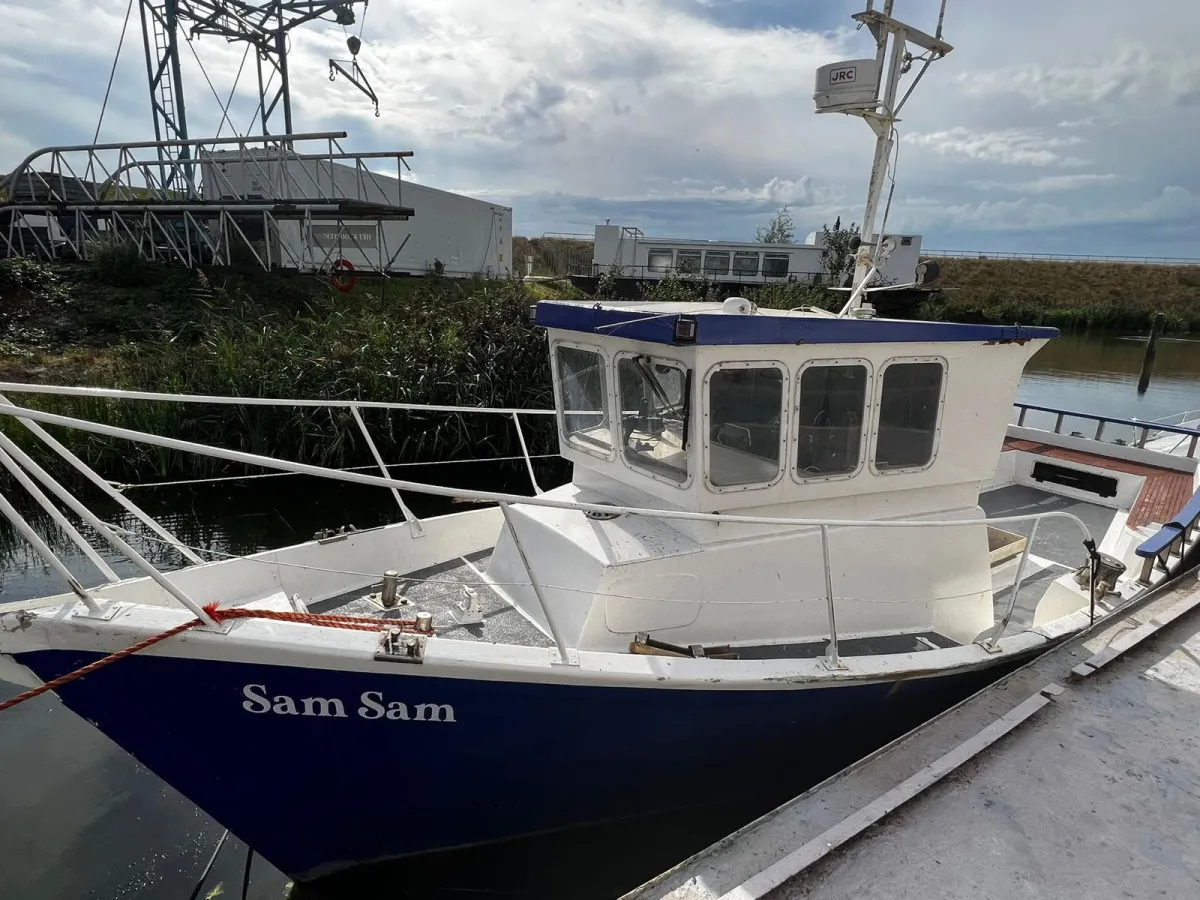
(1048, 184)
(1012, 147)
(1173, 203)
(657, 112)
(1132, 73)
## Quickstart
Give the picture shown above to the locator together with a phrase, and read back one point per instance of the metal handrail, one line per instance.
(114, 394)
(1145, 427)
(1172, 539)
(505, 500)
(1062, 257)
(646, 271)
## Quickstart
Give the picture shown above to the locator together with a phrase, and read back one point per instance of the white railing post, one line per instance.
(831, 652)
(537, 588)
(525, 452)
(59, 519)
(414, 524)
(9, 512)
(87, 472)
(1012, 603)
(104, 531)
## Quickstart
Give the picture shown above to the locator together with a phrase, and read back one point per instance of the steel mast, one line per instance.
(838, 91)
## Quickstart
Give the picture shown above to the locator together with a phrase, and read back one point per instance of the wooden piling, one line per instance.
(1156, 331)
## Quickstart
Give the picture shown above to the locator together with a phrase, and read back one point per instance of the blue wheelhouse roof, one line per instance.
(656, 323)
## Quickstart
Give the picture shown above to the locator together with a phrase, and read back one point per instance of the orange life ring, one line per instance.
(343, 277)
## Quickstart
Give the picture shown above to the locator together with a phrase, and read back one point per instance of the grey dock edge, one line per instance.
(743, 866)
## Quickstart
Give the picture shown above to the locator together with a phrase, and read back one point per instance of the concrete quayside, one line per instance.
(1077, 776)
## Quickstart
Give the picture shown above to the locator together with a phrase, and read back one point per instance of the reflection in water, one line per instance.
(83, 819)
(1099, 375)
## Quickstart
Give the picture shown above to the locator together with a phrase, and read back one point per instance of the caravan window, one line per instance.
(745, 264)
(775, 265)
(688, 262)
(583, 399)
(745, 411)
(658, 261)
(716, 262)
(655, 413)
(830, 416)
(910, 403)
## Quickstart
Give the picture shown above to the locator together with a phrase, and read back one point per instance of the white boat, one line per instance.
(780, 526)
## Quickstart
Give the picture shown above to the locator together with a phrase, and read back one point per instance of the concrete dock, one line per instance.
(1077, 776)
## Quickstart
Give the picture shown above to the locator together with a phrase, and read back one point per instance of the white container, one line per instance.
(852, 84)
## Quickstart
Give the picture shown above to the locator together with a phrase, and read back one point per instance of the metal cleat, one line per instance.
(469, 611)
(396, 646)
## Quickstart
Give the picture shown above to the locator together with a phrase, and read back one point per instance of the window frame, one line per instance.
(728, 263)
(784, 426)
(699, 270)
(560, 414)
(787, 259)
(659, 269)
(619, 447)
(745, 254)
(866, 428)
(941, 409)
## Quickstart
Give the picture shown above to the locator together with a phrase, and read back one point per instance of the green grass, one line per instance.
(129, 324)
(423, 341)
(1068, 295)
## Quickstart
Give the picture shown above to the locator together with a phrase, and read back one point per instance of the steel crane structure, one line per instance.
(263, 24)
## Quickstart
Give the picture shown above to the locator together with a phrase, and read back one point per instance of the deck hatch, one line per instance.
(1092, 482)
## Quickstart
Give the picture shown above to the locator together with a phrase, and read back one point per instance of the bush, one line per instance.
(118, 263)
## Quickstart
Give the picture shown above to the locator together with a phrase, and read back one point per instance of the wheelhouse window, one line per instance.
(909, 405)
(745, 264)
(688, 262)
(583, 399)
(745, 409)
(655, 412)
(775, 265)
(659, 261)
(716, 262)
(832, 404)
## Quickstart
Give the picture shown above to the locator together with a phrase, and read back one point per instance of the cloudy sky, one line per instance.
(1066, 126)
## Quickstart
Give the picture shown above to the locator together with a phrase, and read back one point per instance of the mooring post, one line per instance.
(1156, 330)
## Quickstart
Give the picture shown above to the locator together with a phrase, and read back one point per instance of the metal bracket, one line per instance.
(330, 535)
(106, 612)
(557, 660)
(396, 646)
(223, 627)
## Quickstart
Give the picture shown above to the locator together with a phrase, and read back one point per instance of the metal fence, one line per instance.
(1063, 257)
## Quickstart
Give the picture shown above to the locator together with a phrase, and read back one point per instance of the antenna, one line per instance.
(864, 88)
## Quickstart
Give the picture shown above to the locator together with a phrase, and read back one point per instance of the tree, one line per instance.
(839, 258)
(780, 230)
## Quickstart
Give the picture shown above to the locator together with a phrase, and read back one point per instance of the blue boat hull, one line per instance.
(388, 766)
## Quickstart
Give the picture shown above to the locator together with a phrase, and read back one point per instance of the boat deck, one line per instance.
(1163, 494)
(443, 590)
(1076, 777)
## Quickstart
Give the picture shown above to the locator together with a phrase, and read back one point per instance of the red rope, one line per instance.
(354, 623)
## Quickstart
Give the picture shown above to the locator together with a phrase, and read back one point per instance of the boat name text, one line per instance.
(371, 706)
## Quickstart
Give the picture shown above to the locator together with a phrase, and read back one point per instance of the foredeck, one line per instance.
(444, 590)
(1163, 494)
